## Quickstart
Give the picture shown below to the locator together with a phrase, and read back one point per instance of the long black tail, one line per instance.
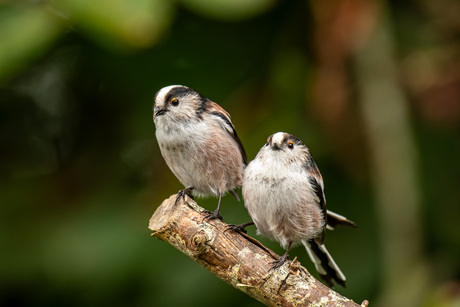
(334, 219)
(325, 265)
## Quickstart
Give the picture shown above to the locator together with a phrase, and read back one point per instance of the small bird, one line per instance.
(284, 193)
(199, 143)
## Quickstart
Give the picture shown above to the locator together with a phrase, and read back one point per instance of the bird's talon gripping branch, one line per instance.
(239, 228)
(182, 193)
(212, 216)
(279, 262)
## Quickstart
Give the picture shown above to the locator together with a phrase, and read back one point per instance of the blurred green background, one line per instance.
(372, 87)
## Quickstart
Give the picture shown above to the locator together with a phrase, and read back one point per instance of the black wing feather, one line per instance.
(319, 193)
(234, 136)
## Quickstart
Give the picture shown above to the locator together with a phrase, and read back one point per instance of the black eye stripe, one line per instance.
(177, 92)
(293, 139)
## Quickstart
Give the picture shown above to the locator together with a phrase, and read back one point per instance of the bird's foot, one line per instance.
(182, 193)
(212, 215)
(279, 262)
(239, 228)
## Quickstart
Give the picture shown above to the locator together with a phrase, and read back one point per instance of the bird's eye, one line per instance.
(290, 145)
(175, 102)
(268, 141)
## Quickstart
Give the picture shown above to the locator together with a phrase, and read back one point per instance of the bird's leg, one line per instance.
(279, 262)
(239, 228)
(187, 191)
(214, 215)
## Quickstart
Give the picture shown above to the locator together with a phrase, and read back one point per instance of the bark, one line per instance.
(238, 259)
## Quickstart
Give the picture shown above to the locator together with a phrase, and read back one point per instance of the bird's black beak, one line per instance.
(275, 147)
(158, 112)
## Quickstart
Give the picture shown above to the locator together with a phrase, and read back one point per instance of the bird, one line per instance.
(199, 143)
(283, 192)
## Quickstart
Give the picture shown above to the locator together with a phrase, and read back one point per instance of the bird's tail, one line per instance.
(325, 265)
(334, 219)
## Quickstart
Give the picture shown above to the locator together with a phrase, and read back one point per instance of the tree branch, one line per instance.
(238, 259)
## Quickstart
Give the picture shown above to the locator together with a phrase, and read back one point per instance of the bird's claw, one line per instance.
(182, 193)
(212, 215)
(236, 228)
(279, 262)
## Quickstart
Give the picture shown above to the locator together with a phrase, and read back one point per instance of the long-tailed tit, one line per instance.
(199, 143)
(284, 194)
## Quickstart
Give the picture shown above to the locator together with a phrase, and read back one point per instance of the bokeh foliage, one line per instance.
(372, 87)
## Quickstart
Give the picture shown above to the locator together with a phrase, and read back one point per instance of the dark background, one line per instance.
(372, 87)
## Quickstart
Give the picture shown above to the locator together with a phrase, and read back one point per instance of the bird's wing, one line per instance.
(316, 181)
(226, 123)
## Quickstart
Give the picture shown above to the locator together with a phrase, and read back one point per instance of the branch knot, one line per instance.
(199, 243)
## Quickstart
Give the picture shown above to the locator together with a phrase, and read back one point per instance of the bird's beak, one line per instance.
(275, 147)
(158, 111)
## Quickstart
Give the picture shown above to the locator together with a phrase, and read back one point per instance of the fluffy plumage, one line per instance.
(198, 142)
(284, 193)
